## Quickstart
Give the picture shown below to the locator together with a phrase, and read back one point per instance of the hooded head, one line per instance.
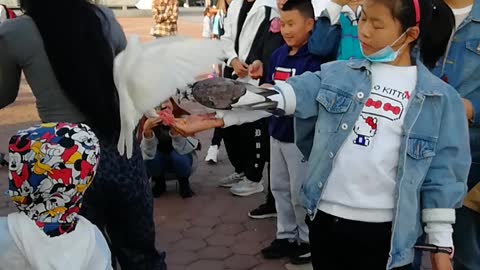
(51, 166)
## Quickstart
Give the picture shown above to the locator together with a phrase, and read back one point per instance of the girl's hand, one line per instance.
(196, 123)
(441, 261)
(150, 123)
(255, 70)
(468, 108)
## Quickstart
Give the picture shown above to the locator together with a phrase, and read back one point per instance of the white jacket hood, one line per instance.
(73, 251)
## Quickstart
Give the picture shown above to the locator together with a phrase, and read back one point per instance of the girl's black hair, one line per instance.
(75, 41)
(436, 25)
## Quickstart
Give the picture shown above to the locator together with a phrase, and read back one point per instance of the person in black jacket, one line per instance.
(249, 36)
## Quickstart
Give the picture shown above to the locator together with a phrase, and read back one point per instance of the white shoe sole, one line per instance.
(262, 216)
(226, 185)
(245, 194)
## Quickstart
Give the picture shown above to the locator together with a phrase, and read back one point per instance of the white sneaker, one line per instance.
(212, 154)
(246, 188)
(231, 180)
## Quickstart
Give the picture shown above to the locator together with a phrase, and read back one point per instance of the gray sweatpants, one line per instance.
(287, 173)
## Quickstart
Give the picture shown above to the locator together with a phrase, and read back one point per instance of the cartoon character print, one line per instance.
(365, 129)
(51, 166)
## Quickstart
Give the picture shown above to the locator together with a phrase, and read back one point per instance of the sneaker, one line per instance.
(246, 188)
(301, 254)
(159, 186)
(231, 180)
(265, 210)
(279, 248)
(212, 154)
(185, 189)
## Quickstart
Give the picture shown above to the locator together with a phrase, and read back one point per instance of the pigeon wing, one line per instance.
(148, 74)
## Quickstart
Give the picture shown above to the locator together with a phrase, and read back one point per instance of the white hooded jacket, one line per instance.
(254, 19)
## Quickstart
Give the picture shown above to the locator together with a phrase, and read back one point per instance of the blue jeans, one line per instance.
(466, 237)
(173, 162)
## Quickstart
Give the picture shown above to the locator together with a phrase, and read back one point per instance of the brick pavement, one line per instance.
(207, 232)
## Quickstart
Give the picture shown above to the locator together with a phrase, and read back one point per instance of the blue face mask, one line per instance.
(385, 55)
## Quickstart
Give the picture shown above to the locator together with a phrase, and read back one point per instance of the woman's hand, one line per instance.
(196, 123)
(441, 261)
(150, 123)
(255, 70)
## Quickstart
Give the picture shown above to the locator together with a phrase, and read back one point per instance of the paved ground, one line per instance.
(208, 232)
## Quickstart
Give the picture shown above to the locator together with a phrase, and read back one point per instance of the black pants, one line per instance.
(119, 201)
(270, 200)
(248, 148)
(217, 137)
(340, 244)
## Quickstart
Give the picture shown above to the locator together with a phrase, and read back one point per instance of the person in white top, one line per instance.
(51, 166)
(207, 24)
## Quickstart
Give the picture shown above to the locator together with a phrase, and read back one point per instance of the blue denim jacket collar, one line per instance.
(475, 14)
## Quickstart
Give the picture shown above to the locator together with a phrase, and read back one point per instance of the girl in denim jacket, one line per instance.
(391, 155)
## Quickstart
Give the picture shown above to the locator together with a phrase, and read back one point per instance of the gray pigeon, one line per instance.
(225, 94)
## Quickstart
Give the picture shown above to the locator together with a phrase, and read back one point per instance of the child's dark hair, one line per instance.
(436, 25)
(305, 7)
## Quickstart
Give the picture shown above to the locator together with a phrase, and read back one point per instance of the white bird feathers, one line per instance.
(148, 74)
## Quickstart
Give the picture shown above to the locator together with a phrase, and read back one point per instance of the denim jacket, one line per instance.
(434, 153)
(461, 69)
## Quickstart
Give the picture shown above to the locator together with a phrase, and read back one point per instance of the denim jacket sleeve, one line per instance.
(325, 39)
(306, 87)
(445, 183)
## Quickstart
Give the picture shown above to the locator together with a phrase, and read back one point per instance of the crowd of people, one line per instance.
(369, 133)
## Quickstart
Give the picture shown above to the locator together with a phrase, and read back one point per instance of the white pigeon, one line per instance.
(150, 73)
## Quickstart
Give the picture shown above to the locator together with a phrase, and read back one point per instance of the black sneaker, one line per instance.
(301, 254)
(279, 248)
(185, 190)
(159, 186)
(263, 211)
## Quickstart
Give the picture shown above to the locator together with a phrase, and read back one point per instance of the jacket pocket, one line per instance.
(421, 147)
(334, 102)
(473, 45)
(333, 106)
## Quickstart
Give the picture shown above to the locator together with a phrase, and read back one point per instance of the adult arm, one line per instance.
(9, 74)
